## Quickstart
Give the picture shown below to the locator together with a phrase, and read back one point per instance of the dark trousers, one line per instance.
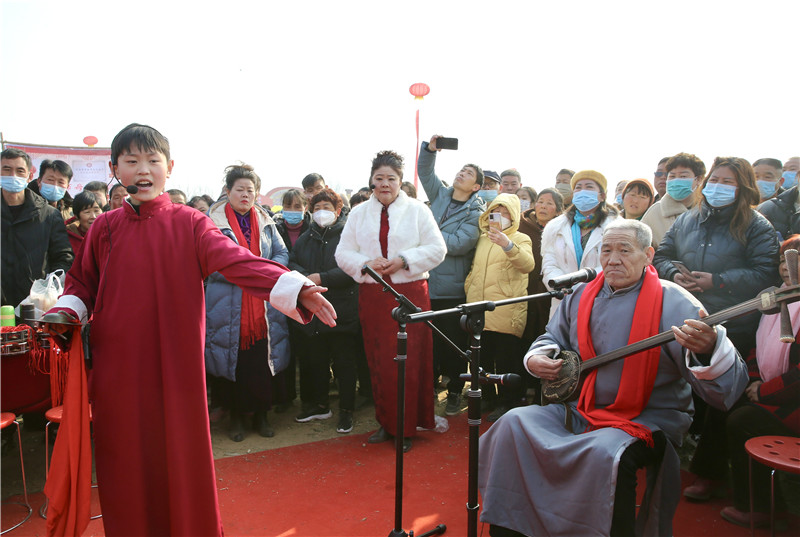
(501, 354)
(252, 391)
(316, 356)
(710, 458)
(623, 520)
(746, 422)
(445, 359)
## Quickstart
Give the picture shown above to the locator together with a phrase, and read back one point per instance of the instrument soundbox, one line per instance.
(564, 387)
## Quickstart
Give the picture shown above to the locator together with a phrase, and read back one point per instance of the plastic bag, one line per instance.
(45, 292)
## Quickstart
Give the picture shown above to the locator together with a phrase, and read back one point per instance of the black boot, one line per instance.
(236, 429)
(261, 424)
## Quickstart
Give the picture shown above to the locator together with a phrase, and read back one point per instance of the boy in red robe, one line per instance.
(140, 276)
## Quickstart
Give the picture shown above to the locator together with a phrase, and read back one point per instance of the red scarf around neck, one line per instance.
(253, 318)
(639, 370)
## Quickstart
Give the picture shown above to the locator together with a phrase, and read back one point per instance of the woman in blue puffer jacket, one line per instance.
(247, 341)
(723, 252)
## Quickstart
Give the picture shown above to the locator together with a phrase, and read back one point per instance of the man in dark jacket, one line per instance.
(456, 210)
(34, 238)
(782, 213)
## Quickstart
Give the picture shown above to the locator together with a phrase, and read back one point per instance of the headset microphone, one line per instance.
(132, 189)
(372, 186)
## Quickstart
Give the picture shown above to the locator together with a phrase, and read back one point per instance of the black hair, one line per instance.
(56, 165)
(687, 160)
(772, 162)
(311, 180)
(557, 198)
(241, 171)
(562, 171)
(176, 192)
(387, 158)
(84, 200)
(113, 188)
(293, 195)
(12, 153)
(358, 197)
(96, 186)
(144, 137)
(478, 173)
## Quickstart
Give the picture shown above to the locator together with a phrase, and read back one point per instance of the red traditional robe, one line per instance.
(141, 275)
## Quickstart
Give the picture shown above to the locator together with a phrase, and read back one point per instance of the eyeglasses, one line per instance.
(659, 174)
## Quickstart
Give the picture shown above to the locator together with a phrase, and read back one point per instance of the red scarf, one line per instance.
(639, 370)
(68, 485)
(253, 325)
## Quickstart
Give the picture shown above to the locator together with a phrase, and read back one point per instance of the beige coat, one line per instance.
(498, 275)
(661, 216)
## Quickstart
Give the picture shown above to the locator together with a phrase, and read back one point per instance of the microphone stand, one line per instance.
(473, 317)
(401, 314)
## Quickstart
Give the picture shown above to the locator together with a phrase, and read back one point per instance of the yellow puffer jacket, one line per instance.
(498, 275)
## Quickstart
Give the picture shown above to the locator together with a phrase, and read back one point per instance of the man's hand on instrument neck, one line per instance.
(696, 336)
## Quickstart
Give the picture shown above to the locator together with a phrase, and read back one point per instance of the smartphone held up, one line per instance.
(446, 143)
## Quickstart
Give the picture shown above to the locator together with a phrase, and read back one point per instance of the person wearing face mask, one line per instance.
(34, 240)
(490, 186)
(293, 220)
(52, 184)
(247, 339)
(783, 211)
(790, 169)
(321, 345)
(563, 185)
(723, 252)
(572, 241)
(684, 172)
(768, 177)
(503, 259)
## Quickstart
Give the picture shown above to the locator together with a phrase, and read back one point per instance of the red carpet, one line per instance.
(345, 487)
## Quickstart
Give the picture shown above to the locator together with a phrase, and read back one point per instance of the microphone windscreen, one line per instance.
(132, 189)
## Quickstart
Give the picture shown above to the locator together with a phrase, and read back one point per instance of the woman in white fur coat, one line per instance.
(396, 236)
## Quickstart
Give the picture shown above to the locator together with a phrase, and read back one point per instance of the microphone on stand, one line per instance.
(510, 380)
(568, 280)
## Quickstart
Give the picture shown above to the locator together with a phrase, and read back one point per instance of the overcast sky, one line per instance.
(300, 87)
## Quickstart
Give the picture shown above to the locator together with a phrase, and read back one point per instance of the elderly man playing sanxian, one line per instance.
(570, 469)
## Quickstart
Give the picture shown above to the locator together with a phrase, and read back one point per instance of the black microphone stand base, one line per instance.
(438, 530)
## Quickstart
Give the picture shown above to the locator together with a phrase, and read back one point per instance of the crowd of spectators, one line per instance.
(485, 236)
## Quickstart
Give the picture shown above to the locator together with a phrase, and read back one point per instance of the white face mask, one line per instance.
(324, 218)
(505, 222)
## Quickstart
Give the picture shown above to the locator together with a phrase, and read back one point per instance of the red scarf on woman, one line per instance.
(639, 370)
(253, 325)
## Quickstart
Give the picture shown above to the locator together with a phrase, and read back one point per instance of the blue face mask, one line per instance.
(293, 217)
(12, 183)
(719, 195)
(487, 195)
(585, 200)
(789, 179)
(51, 192)
(680, 188)
(618, 199)
(766, 188)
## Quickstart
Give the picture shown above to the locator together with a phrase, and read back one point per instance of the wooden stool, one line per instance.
(55, 415)
(6, 419)
(776, 452)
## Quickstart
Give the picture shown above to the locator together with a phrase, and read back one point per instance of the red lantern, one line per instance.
(91, 141)
(419, 90)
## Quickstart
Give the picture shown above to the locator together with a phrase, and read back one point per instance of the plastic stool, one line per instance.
(776, 452)
(6, 419)
(55, 415)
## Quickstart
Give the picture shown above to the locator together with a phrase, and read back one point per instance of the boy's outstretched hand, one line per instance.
(311, 298)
